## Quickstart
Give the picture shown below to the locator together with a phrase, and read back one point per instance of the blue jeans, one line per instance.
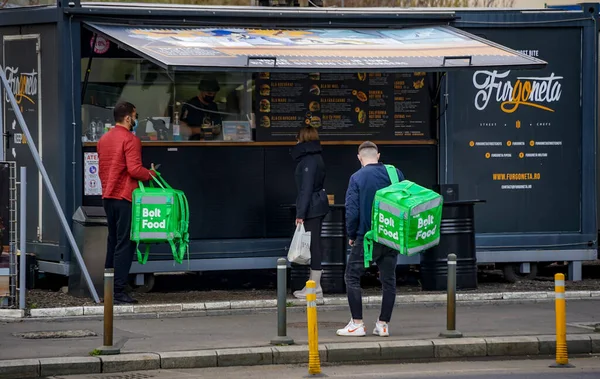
(386, 259)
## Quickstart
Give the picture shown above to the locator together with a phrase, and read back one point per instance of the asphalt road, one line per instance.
(585, 368)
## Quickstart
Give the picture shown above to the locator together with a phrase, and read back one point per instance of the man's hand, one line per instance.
(299, 221)
(351, 242)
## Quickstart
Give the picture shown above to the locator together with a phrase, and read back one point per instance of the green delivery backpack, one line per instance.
(160, 215)
(405, 217)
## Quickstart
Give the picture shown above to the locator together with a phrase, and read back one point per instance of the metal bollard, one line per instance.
(282, 338)
(314, 361)
(23, 239)
(109, 285)
(451, 331)
(562, 355)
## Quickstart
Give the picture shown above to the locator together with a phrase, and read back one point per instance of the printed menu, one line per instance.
(358, 106)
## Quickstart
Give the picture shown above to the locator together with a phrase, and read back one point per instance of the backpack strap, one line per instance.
(368, 248)
(392, 173)
(144, 259)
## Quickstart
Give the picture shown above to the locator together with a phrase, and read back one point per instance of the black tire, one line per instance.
(512, 274)
(148, 286)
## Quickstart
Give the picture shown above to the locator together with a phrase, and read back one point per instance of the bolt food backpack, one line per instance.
(405, 217)
(160, 215)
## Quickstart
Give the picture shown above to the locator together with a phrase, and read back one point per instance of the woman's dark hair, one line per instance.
(307, 133)
(123, 110)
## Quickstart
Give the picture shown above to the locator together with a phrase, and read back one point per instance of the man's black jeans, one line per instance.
(386, 259)
(120, 249)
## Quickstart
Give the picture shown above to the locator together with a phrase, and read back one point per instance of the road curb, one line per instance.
(241, 306)
(334, 353)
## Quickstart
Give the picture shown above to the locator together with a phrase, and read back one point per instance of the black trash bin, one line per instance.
(333, 242)
(457, 236)
(90, 230)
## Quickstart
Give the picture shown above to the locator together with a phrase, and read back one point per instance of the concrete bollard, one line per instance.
(109, 285)
(562, 355)
(451, 331)
(282, 338)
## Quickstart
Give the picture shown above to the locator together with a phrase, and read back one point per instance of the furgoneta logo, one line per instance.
(531, 91)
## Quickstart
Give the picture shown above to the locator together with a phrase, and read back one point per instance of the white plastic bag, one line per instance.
(299, 251)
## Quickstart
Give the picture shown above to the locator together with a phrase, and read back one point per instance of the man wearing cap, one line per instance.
(361, 191)
(200, 116)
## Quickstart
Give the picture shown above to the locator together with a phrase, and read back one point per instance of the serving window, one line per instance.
(200, 106)
(228, 106)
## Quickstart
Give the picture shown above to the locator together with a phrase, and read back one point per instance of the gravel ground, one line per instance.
(256, 285)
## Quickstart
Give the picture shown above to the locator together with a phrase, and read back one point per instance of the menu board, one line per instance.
(516, 135)
(349, 106)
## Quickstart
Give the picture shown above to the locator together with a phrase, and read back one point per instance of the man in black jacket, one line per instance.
(359, 201)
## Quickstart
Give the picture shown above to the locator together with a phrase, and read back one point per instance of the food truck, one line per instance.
(499, 105)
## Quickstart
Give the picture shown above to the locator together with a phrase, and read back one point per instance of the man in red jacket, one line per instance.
(120, 169)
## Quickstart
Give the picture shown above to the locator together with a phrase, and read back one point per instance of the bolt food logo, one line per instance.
(530, 91)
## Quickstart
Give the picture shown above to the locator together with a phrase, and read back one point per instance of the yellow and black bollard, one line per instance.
(314, 361)
(562, 355)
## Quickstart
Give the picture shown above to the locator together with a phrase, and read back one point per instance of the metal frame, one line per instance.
(40, 113)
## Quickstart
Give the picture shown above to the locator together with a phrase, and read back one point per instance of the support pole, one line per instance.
(562, 355)
(314, 361)
(282, 338)
(48, 184)
(451, 331)
(23, 239)
(109, 285)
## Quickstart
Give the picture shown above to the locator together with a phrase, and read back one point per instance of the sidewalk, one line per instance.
(410, 322)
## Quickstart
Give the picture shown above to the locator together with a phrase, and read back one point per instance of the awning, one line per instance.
(432, 48)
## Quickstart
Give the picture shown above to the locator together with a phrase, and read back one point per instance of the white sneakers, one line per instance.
(358, 330)
(381, 329)
(352, 330)
(316, 276)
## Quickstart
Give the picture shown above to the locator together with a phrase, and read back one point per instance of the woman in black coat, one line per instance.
(311, 203)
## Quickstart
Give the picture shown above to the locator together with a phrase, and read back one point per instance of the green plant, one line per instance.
(95, 353)
(289, 304)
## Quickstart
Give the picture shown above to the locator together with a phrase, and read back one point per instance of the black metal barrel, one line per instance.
(457, 236)
(333, 243)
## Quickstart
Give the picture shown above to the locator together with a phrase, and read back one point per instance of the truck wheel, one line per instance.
(512, 272)
(148, 286)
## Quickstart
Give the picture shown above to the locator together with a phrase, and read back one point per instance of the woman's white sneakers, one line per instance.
(358, 330)
(352, 330)
(381, 329)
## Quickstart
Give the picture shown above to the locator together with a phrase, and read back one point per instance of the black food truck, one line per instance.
(494, 105)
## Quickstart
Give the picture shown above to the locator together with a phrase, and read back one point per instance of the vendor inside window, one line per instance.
(200, 116)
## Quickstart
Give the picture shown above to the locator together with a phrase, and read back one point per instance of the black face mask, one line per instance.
(209, 99)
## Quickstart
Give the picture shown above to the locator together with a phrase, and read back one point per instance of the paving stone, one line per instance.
(245, 357)
(12, 313)
(595, 343)
(295, 354)
(460, 347)
(188, 359)
(151, 308)
(406, 349)
(57, 312)
(512, 346)
(130, 362)
(576, 344)
(525, 295)
(70, 366)
(217, 305)
(19, 368)
(193, 306)
(351, 352)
